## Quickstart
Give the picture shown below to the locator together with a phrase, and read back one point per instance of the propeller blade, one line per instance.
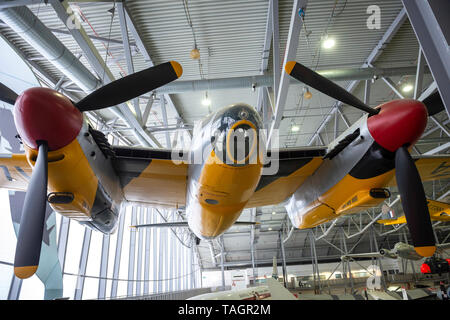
(29, 240)
(7, 95)
(434, 103)
(322, 84)
(414, 203)
(131, 86)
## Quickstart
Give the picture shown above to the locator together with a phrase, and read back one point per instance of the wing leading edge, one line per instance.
(15, 172)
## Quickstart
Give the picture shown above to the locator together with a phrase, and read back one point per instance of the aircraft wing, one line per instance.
(149, 176)
(439, 211)
(15, 172)
(294, 166)
(361, 255)
(430, 168)
(443, 246)
(278, 292)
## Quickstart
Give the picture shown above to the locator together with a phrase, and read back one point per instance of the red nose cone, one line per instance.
(425, 268)
(399, 122)
(44, 114)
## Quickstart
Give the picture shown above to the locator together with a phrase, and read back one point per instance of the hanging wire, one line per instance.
(113, 11)
(189, 21)
(132, 280)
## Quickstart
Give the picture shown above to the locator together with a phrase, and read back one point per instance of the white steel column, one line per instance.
(172, 256)
(83, 264)
(435, 44)
(139, 253)
(103, 267)
(14, 288)
(155, 253)
(118, 253)
(290, 53)
(147, 253)
(178, 267)
(62, 241)
(275, 46)
(131, 263)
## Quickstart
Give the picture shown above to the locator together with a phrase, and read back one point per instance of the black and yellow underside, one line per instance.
(154, 179)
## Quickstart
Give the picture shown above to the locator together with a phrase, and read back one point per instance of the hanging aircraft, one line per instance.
(72, 166)
(400, 250)
(439, 211)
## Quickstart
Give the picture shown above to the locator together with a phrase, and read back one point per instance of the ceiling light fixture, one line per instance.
(206, 102)
(308, 94)
(295, 128)
(195, 54)
(328, 43)
(408, 88)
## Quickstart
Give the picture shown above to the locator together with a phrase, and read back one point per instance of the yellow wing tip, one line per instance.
(25, 272)
(289, 66)
(177, 68)
(427, 251)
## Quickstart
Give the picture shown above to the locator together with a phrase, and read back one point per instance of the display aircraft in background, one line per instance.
(73, 167)
(400, 250)
(439, 211)
(271, 290)
(434, 264)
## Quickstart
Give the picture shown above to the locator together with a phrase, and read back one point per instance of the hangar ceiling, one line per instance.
(231, 36)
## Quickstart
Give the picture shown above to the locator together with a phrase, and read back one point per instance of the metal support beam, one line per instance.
(222, 261)
(132, 253)
(367, 92)
(439, 149)
(346, 264)
(283, 258)
(428, 19)
(15, 287)
(252, 243)
(83, 264)
(162, 103)
(148, 233)
(290, 53)
(440, 125)
(147, 110)
(156, 257)
(260, 106)
(138, 291)
(163, 261)
(128, 57)
(419, 74)
(103, 267)
(267, 80)
(118, 253)
(172, 257)
(275, 46)
(393, 86)
(315, 263)
(62, 241)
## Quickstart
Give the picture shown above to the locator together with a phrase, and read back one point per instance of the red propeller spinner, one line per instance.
(42, 114)
(399, 123)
